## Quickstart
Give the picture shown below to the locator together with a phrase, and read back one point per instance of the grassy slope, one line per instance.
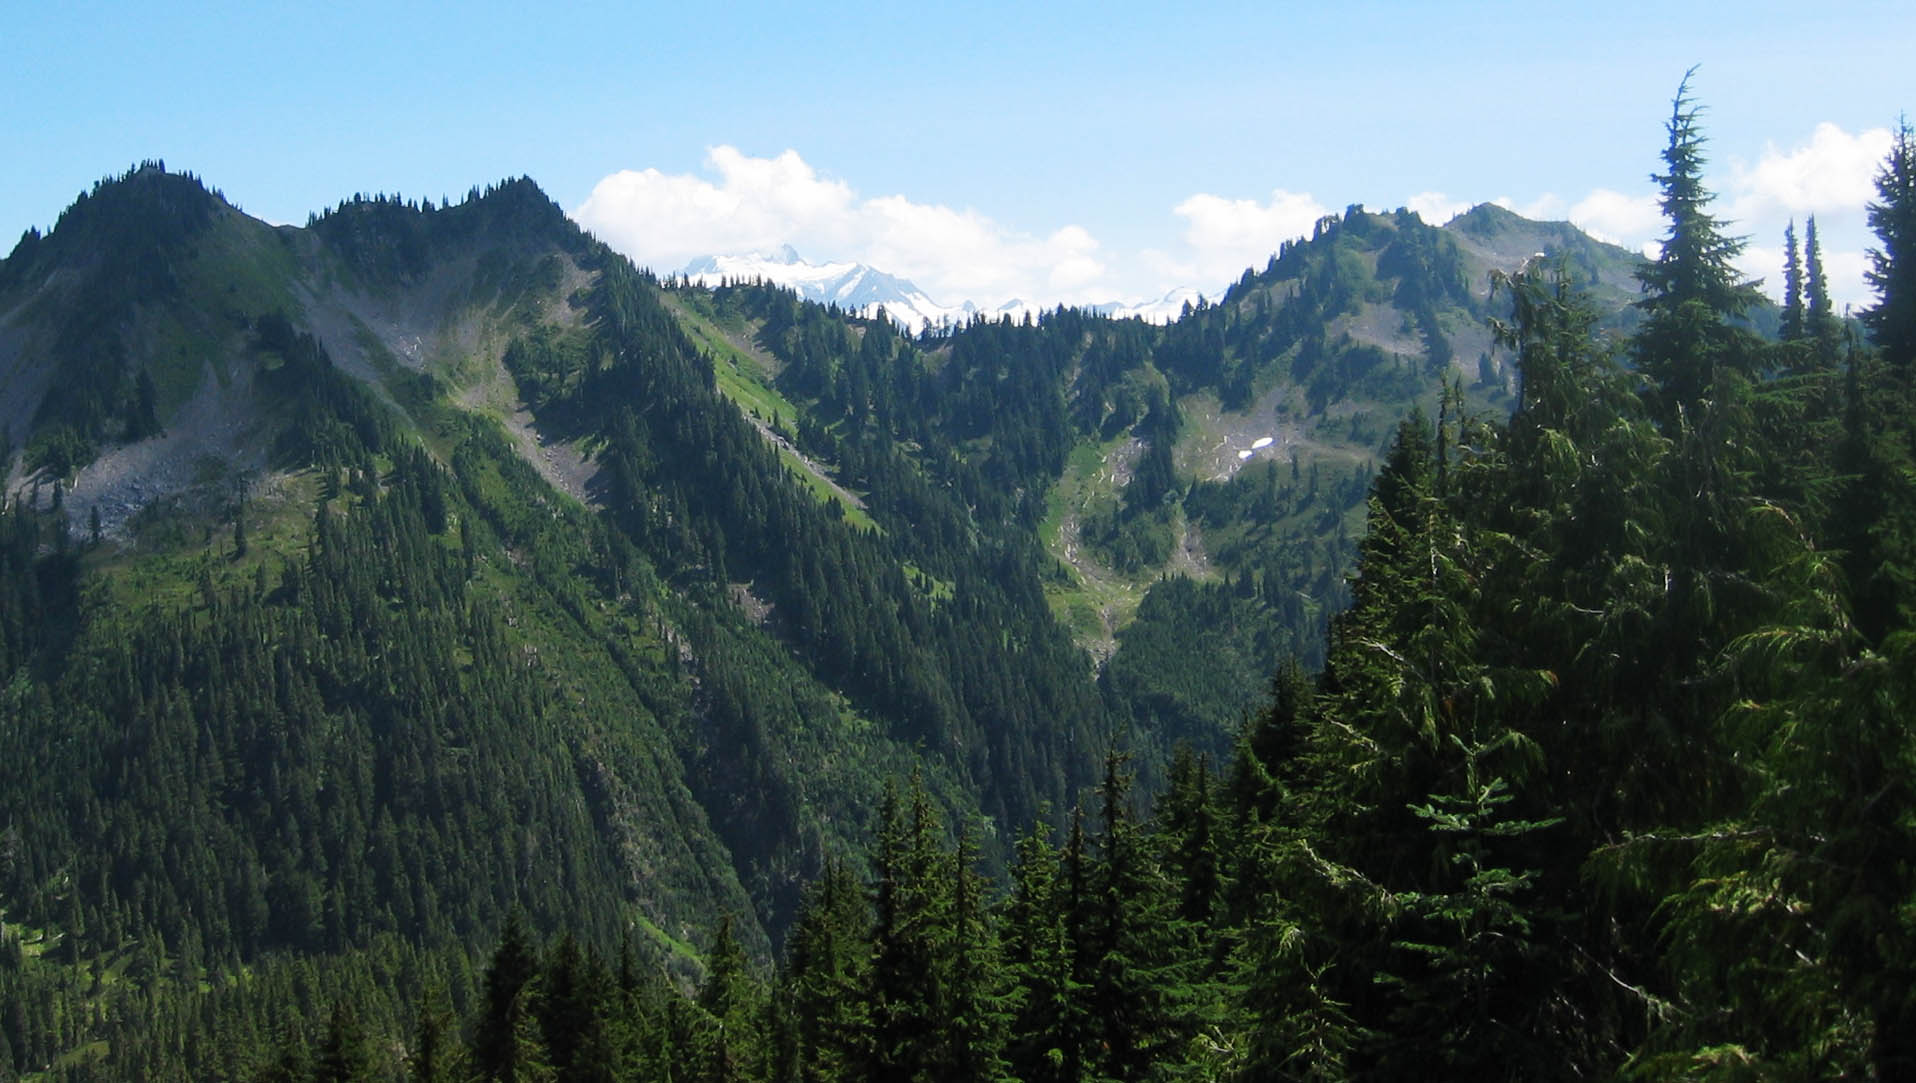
(745, 376)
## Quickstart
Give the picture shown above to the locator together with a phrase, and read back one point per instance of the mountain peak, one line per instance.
(853, 287)
(1487, 220)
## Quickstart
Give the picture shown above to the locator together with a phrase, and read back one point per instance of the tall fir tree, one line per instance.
(1047, 1042)
(1820, 327)
(343, 1055)
(508, 1046)
(1876, 517)
(1892, 265)
(733, 1048)
(572, 1013)
(827, 955)
(1792, 329)
(1693, 287)
(908, 983)
(979, 1000)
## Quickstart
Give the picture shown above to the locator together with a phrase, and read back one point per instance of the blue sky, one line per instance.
(1075, 152)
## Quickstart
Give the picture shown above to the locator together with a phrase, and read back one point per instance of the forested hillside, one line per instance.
(437, 649)
(1197, 487)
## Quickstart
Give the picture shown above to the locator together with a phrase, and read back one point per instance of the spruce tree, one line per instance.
(343, 1056)
(572, 1013)
(507, 1043)
(432, 1057)
(1187, 824)
(1693, 287)
(827, 958)
(1143, 972)
(908, 984)
(1892, 266)
(1792, 329)
(1047, 1023)
(979, 999)
(732, 1047)
(1820, 325)
(1875, 518)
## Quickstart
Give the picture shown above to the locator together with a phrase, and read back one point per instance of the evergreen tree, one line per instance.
(827, 958)
(1693, 287)
(908, 985)
(572, 1013)
(1143, 974)
(1820, 325)
(432, 1058)
(1187, 817)
(1793, 324)
(733, 1048)
(979, 1001)
(507, 1045)
(1892, 266)
(1048, 1040)
(343, 1056)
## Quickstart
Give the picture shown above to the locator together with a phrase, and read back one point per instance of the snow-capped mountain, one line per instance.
(863, 290)
(1163, 310)
(851, 286)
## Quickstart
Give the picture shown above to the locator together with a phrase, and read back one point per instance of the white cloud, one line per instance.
(757, 204)
(1630, 221)
(663, 220)
(1831, 176)
(1834, 173)
(1848, 288)
(1760, 262)
(1225, 236)
(1436, 208)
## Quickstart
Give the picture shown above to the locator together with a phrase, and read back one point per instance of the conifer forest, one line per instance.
(536, 668)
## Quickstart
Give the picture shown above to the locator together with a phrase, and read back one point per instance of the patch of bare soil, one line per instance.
(212, 446)
(338, 330)
(563, 466)
(1100, 582)
(431, 323)
(751, 604)
(1383, 326)
(1231, 441)
(1189, 558)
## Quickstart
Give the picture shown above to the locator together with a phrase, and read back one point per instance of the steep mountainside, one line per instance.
(190, 386)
